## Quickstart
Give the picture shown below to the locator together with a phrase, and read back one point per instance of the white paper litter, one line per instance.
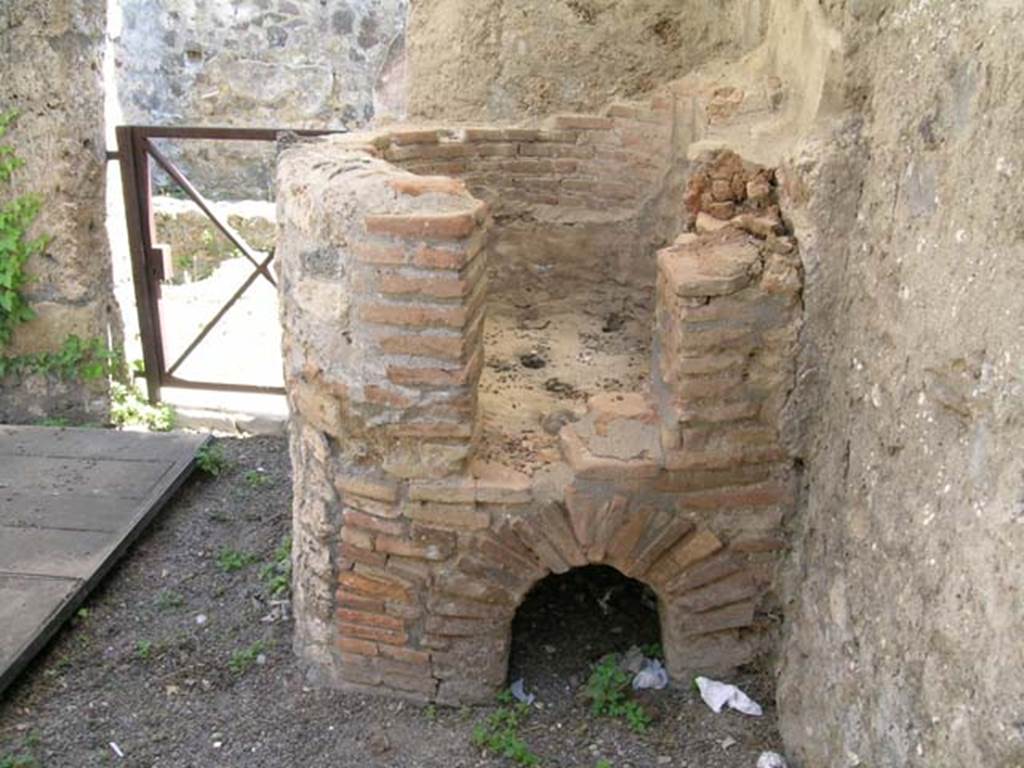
(652, 676)
(771, 760)
(717, 695)
(519, 694)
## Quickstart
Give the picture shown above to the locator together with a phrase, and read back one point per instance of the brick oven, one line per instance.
(511, 352)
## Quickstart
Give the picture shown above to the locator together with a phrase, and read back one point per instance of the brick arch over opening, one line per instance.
(519, 552)
(700, 589)
(431, 573)
(411, 553)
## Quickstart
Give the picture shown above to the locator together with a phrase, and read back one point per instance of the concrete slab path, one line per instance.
(71, 502)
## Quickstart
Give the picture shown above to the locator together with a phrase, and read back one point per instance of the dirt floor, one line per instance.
(181, 658)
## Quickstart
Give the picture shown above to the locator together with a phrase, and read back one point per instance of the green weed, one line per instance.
(129, 407)
(608, 689)
(168, 600)
(61, 665)
(499, 732)
(53, 421)
(231, 560)
(242, 659)
(20, 760)
(257, 478)
(277, 574)
(76, 358)
(211, 459)
(653, 651)
(23, 758)
(16, 247)
(143, 648)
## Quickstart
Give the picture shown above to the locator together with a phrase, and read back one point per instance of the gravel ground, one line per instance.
(179, 659)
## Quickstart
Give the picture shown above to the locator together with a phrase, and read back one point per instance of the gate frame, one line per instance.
(135, 153)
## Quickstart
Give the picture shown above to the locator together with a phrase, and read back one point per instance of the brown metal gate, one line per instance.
(136, 153)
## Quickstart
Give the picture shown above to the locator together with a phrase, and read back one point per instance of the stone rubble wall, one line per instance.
(52, 52)
(254, 63)
(418, 553)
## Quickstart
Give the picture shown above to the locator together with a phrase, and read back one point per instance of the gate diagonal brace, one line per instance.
(229, 232)
(260, 269)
